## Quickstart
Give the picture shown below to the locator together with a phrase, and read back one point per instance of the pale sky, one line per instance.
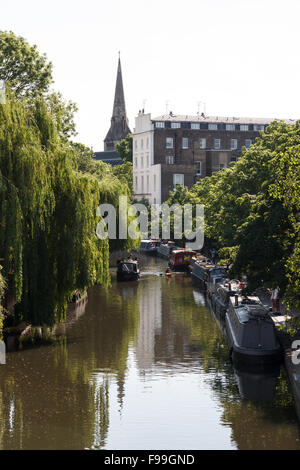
(240, 57)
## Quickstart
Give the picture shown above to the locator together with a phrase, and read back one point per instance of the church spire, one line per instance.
(119, 128)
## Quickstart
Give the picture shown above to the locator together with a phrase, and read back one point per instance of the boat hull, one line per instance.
(253, 355)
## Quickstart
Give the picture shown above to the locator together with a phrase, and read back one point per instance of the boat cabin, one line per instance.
(128, 270)
(181, 258)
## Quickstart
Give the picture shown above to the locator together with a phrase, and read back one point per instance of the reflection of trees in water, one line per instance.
(189, 330)
(58, 396)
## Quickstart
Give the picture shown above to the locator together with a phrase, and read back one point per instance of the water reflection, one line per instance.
(145, 366)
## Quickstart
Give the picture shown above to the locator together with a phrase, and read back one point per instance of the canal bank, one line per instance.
(146, 366)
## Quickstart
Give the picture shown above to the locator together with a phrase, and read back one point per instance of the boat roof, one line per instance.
(182, 250)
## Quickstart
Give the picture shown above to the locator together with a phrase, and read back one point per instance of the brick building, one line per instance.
(170, 149)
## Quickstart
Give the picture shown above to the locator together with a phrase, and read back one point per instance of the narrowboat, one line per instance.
(250, 331)
(128, 270)
(149, 246)
(202, 269)
(165, 249)
(180, 259)
(220, 293)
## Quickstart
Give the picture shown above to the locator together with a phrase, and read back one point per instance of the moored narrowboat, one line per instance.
(165, 249)
(250, 331)
(180, 259)
(149, 246)
(128, 270)
(202, 270)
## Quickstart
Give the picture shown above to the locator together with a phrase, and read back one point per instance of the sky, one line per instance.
(239, 57)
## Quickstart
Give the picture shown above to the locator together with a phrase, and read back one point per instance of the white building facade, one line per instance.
(146, 174)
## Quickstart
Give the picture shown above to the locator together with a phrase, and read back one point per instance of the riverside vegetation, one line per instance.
(252, 212)
(50, 188)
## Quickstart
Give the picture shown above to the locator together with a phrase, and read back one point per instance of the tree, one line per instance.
(27, 72)
(124, 148)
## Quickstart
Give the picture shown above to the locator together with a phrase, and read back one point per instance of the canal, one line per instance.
(145, 366)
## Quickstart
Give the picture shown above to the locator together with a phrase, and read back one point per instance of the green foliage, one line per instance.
(124, 148)
(27, 72)
(48, 215)
(252, 210)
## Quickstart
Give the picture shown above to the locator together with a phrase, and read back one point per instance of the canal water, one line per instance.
(145, 366)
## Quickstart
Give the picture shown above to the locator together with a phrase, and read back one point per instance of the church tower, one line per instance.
(119, 128)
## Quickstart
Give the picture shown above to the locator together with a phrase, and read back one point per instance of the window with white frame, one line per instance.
(135, 162)
(136, 184)
(244, 127)
(185, 143)
(147, 143)
(230, 127)
(202, 143)
(175, 125)
(169, 159)
(154, 182)
(233, 144)
(142, 184)
(142, 143)
(147, 183)
(169, 142)
(212, 126)
(147, 160)
(222, 166)
(248, 142)
(135, 144)
(142, 162)
(159, 124)
(198, 168)
(217, 144)
(178, 179)
(258, 127)
(195, 125)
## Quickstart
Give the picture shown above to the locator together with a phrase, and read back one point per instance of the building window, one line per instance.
(217, 144)
(175, 125)
(233, 144)
(135, 144)
(230, 127)
(233, 159)
(258, 127)
(135, 162)
(169, 142)
(147, 161)
(142, 184)
(178, 179)
(202, 143)
(185, 143)
(160, 124)
(147, 142)
(154, 182)
(195, 125)
(244, 127)
(142, 162)
(198, 168)
(222, 166)
(142, 143)
(147, 183)
(212, 127)
(136, 184)
(248, 142)
(169, 159)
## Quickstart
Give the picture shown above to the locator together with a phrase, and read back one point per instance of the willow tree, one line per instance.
(48, 214)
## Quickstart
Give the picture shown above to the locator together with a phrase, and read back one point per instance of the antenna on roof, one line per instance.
(167, 106)
(199, 103)
(144, 104)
